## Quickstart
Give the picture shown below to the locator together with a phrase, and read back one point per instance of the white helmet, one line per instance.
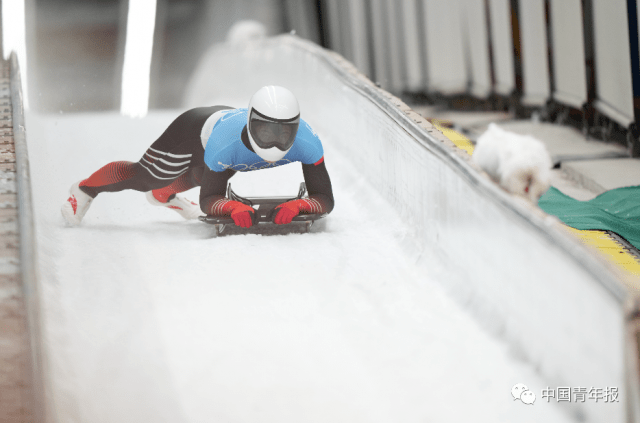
(273, 120)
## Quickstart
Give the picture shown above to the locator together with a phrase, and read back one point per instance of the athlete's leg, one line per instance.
(175, 153)
(189, 180)
(167, 197)
(114, 177)
(118, 176)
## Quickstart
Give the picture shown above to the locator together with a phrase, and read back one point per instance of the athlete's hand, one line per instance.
(286, 212)
(241, 213)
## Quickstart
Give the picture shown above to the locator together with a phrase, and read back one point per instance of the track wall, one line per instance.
(513, 267)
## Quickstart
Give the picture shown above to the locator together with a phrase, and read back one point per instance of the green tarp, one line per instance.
(617, 210)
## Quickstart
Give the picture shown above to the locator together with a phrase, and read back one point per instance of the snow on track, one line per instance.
(147, 318)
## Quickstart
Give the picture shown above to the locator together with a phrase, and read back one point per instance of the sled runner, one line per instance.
(265, 212)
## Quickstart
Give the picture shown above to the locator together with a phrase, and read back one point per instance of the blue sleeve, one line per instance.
(214, 160)
(308, 145)
(220, 152)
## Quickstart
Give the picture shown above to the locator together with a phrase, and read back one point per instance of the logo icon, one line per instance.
(528, 397)
(74, 203)
(522, 393)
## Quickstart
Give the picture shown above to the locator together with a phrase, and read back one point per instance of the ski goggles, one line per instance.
(269, 132)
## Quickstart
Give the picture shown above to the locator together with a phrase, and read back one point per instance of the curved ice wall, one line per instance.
(516, 269)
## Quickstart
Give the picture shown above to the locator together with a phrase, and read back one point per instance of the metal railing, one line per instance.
(28, 250)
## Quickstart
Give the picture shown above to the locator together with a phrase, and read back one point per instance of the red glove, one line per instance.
(241, 213)
(287, 211)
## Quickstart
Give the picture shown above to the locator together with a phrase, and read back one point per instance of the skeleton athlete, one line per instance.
(205, 147)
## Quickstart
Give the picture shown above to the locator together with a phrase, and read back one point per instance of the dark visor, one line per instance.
(268, 132)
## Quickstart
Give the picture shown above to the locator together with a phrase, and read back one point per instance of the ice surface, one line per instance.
(148, 319)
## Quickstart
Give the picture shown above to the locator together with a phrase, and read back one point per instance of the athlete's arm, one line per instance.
(213, 188)
(318, 184)
(214, 203)
(320, 198)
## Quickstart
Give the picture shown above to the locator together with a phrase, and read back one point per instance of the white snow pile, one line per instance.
(519, 163)
(246, 30)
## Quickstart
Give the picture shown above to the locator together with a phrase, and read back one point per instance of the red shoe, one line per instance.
(185, 208)
(76, 206)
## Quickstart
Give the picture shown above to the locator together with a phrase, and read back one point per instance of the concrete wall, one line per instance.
(614, 88)
(569, 67)
(514, 268)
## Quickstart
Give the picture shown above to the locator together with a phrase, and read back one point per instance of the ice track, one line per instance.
(149, 320)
